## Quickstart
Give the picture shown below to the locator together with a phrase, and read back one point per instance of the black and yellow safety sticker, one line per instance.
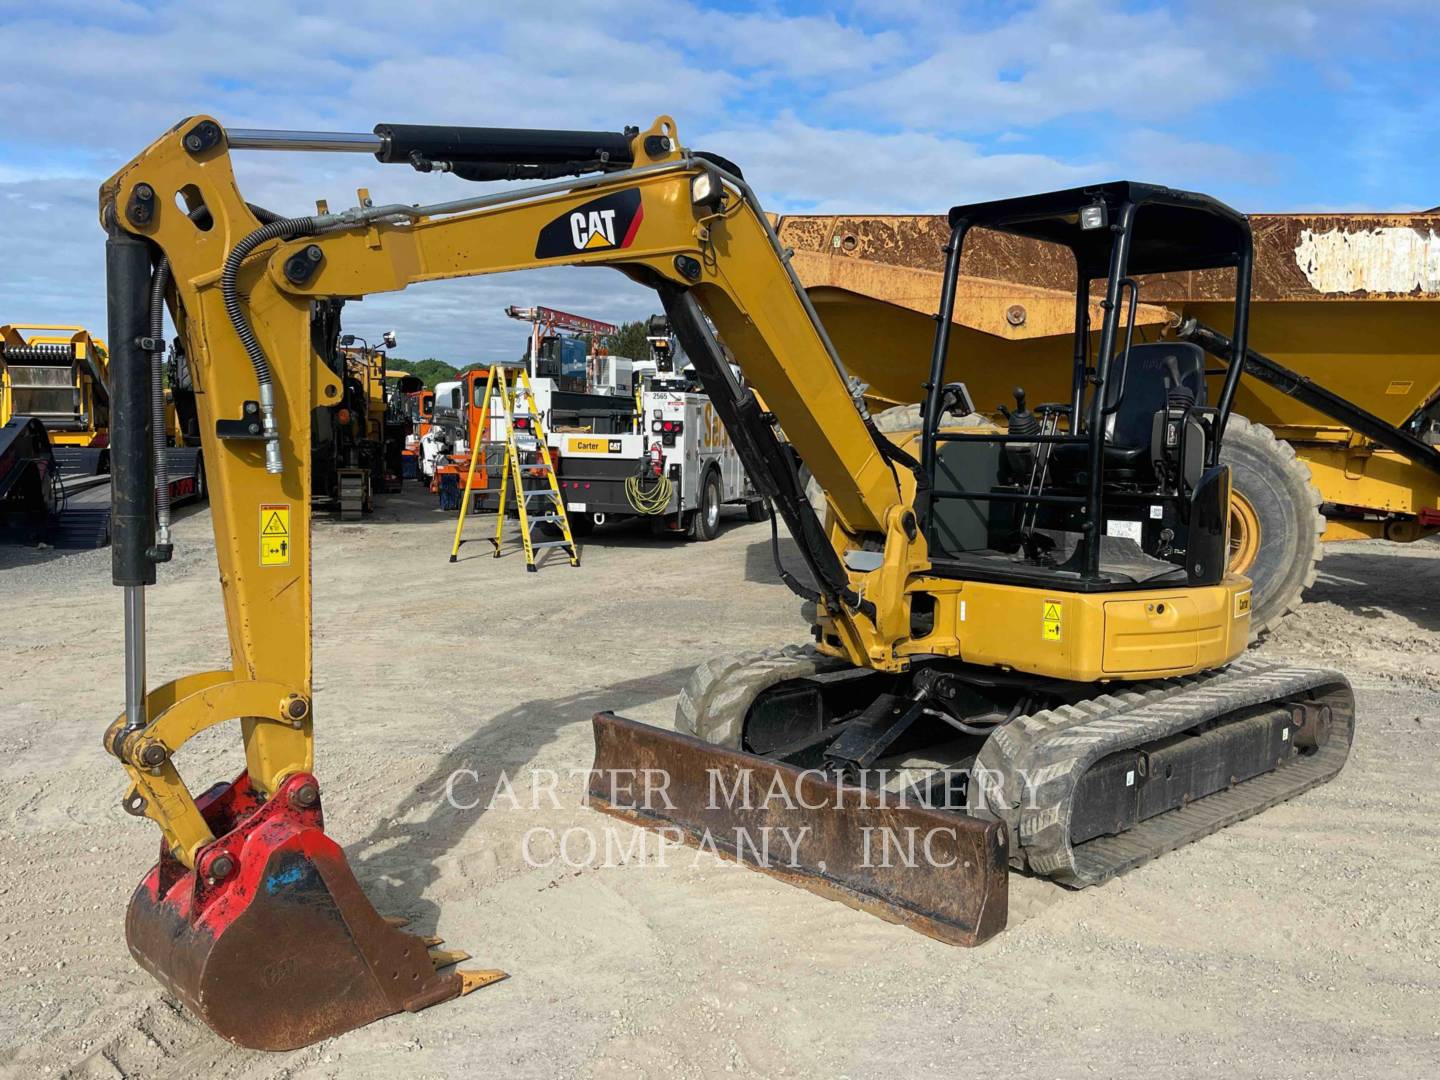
(274, 534)
(1051, 616)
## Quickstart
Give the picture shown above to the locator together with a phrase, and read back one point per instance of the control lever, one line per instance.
(1021, 420)
(1177, 440)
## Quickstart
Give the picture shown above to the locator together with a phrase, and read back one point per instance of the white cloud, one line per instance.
(797, 166)
(973, 70)
(1163, 158)
(794, 99)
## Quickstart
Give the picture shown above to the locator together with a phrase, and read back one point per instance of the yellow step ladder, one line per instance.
(524, 434)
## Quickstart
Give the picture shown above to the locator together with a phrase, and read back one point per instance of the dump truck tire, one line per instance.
(1275, 521)
(715, 701)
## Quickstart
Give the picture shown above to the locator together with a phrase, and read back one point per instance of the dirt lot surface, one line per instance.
(1300, 943)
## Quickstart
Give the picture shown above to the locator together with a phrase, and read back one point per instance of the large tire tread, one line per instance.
(1288, 567)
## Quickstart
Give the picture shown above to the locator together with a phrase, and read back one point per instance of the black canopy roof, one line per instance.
(1174, 230)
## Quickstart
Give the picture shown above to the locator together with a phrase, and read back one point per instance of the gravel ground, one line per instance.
(1301, 943)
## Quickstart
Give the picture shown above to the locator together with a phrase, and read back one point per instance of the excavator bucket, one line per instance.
(941, 873)
(273, 944)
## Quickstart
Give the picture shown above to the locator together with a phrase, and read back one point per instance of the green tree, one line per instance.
(629, 342)
(430, 371)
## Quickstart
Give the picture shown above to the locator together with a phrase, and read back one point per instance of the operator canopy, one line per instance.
(1174, 230)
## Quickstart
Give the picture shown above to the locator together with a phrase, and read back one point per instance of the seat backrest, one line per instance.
(1138, 382)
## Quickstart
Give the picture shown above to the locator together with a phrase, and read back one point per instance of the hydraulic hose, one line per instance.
(283, 229)
(159, 280)
(791, 581)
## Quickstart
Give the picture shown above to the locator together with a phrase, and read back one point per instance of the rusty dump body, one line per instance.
(1347, 300)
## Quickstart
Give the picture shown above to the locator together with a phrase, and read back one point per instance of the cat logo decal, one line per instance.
(602, 224)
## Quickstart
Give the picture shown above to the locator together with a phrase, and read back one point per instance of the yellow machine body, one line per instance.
(744, 289)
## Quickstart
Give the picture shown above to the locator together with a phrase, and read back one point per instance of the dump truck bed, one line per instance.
(1339, 298)
(1345, 300)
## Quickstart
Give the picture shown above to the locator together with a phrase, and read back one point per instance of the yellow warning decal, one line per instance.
(1050, 619)
(1242, 604)
(274, 534)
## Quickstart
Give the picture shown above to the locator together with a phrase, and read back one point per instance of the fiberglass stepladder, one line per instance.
(524, 434)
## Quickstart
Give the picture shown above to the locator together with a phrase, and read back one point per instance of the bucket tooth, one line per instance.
(285, 950)
(443, 958)
(475, 980)
(397, 921)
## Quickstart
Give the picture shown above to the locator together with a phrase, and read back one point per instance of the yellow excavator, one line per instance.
(1027, 647)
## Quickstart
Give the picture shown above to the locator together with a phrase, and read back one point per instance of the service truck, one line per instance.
(677, 467)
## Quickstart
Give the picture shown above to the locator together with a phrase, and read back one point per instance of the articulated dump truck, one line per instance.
(1335, 427)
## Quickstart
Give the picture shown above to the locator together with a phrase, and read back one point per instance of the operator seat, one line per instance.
(1135, 391)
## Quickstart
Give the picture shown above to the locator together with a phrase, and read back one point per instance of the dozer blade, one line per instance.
(940, 873)
(272, 943)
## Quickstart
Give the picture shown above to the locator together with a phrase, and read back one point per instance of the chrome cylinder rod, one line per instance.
(135, 657)
(343, 142)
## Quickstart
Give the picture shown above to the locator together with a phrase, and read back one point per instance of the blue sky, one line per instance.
(859, 107)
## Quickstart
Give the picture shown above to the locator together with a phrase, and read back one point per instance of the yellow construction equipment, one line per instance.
(1035, 620)
(55, 435)
(54, 432)
(1334, 436)
(59, 375)
(527, 458)
(357, 441)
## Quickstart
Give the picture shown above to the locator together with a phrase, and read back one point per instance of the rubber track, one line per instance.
(1039, 759)
(713, 703)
